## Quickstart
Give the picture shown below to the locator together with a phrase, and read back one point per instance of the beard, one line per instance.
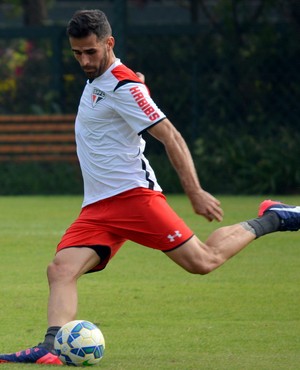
(91, 75)
(94, 72)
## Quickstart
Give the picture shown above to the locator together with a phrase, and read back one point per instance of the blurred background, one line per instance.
(225, 72)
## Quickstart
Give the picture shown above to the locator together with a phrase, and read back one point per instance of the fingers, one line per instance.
(216, 214)
(208, 206)
(213, 211)
(140, 76)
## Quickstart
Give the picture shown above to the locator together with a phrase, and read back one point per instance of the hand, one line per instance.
(208, 206)
(140, 76)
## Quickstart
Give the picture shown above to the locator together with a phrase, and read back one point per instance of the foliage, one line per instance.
(40, 178)
(34, 12)
(247, 164)
(26, 78)
(231, 87)
(233, 93)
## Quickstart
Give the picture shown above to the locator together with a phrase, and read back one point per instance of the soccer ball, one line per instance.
(79, 343)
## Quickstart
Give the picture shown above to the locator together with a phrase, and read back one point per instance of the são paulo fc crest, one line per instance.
(97, 95)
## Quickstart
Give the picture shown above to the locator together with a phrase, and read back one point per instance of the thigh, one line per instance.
(78, 259)
(192, 255)
(90, 230)
(145, 217)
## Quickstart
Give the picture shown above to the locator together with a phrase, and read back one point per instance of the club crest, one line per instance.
(97, 95)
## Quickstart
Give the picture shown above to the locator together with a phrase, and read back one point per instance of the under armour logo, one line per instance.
(176, 235)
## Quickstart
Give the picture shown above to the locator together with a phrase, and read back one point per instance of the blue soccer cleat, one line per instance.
(289, 215)
(37, 355)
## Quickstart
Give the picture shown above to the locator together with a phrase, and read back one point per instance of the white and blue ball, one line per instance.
(79, 343)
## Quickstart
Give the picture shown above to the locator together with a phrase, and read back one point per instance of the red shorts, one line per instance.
(140, 215)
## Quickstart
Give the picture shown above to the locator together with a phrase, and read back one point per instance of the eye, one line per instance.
(91, 51)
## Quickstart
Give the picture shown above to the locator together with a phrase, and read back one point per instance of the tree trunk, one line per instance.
(34, 12)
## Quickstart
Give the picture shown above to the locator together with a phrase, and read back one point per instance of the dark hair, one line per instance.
(85, 22)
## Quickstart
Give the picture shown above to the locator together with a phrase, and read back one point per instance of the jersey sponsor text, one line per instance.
(143, 103)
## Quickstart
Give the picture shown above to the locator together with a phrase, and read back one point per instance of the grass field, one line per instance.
(154, 315)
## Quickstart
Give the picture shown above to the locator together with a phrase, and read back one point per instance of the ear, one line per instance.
(110, 42)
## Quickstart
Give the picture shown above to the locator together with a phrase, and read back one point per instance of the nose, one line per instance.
(84, 60)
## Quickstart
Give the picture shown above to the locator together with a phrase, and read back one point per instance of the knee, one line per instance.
(51, 270)
(200, 264)
(58, 271)
(195, 257)
(199, 269)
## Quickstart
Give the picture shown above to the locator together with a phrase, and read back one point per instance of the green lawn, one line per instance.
(154, 315)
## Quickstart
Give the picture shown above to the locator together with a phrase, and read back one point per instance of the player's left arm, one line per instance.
(180, 157)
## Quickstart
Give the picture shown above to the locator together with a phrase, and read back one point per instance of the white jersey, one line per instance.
(114, 110)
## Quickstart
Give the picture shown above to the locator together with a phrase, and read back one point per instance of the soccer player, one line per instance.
(122, 198)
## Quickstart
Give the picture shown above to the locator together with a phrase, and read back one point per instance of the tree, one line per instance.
(34, 11)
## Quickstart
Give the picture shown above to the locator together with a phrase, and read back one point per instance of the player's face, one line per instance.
(94, 56)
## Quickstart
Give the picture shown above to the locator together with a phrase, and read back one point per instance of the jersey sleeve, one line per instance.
(135, 105)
